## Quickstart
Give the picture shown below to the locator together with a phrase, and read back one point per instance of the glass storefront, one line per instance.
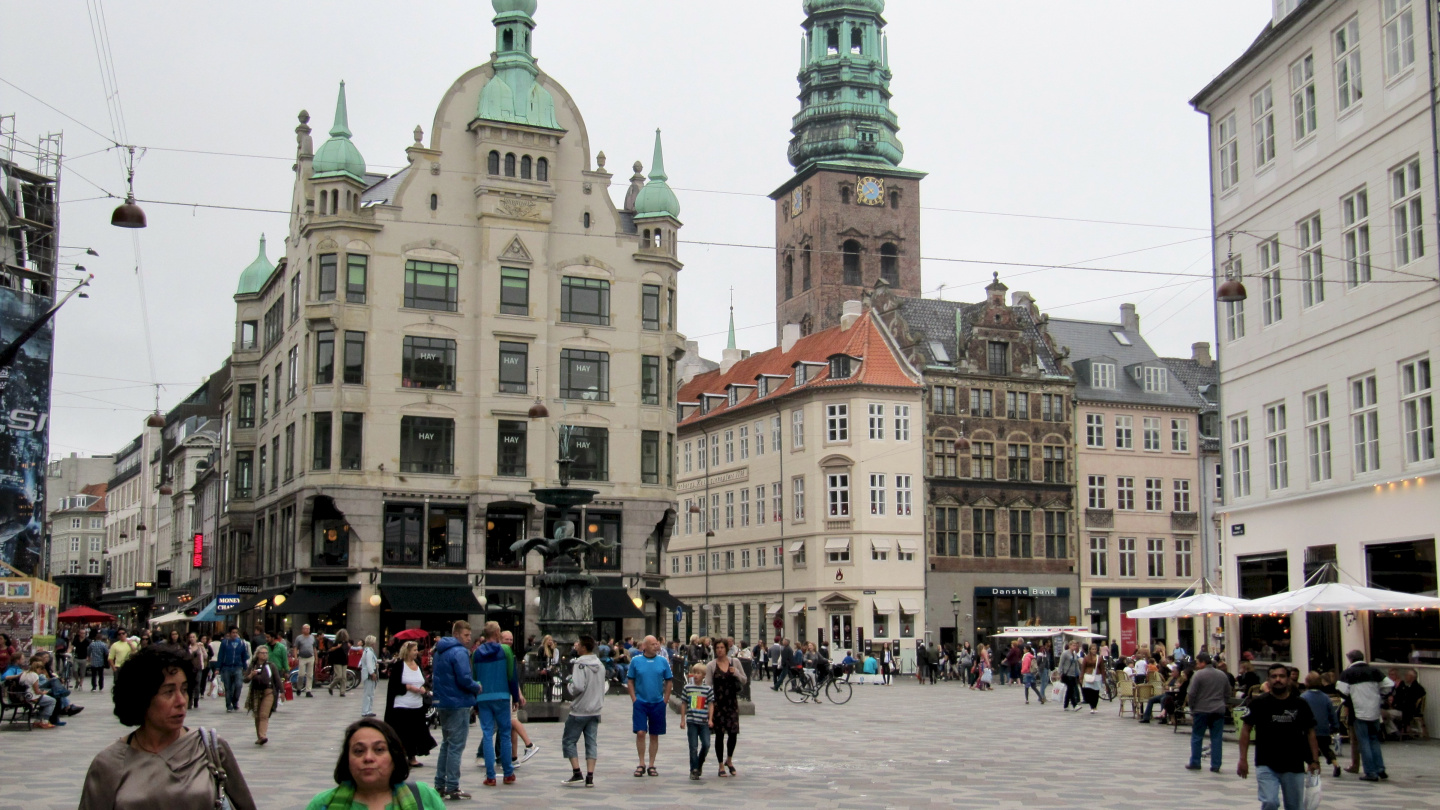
(1404, 636)
(1265, 638)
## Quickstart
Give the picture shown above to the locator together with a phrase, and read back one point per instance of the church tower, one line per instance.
(850, 216)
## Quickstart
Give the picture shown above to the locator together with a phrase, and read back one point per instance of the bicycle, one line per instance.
(837, 688)
(1110, 690)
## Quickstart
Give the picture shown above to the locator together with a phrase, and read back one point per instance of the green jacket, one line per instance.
(280, 657)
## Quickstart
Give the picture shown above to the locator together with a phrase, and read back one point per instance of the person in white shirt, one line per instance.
(1142, 665)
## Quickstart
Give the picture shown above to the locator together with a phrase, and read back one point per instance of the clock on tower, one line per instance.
(870, 191)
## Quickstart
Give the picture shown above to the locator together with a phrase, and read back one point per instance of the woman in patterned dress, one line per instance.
(726, 676)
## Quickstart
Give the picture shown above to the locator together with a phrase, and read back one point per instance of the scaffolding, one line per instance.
(29, 211)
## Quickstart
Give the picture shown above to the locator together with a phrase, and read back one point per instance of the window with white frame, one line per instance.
(1317, 434)
(902, 423)
(1182, 495)
(777, 502)
(797, 429)
(745, 508)
(75, 522)
(1102, 375)
(1154, 494)
(1365, 424)
(730, 510)
(1271, 307)
(1399, 23)
(1240, 456)
(1277, 448)
(1127, 556)
(744, 442)
(94, 568)
(1095, 488)
(729, 447)
(1125, 493)
(760, 438)
(715, 450)
(1312, 262)
(1406, 214)
(1219, 481)
(1418, 410)
(1302, 96)
(1155, 557)
(744, 558)
(1234, 310)
(1124, 433)
(837, 423)
(1180, 435)
(879, 553)
(689, 518)
(1355, 237)
(1228, 152)
(760, 505)
(94, 541)
(835, 552)
(714, 512)
(877, 421)
(675, 565)
(1094, 430)
(1157, 380)
(688, 563)
(74, 567)
(1348, 90)
(1262, 126)
(1099, 557)
(1184, 567)
(902, 496)
(797, 498)
(901, 555)
(760, 557)
(1150, 433)
(700, 563)
(837, 494)
(775, 434)
(877, 493)
(688, 456)
(75, 543)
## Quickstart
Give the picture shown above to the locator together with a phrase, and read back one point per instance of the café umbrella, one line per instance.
(1336, 596)
(1200, 604)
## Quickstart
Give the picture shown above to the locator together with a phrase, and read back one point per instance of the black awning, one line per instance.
(456, 600)
(318, 598)
(252, 602)
(664, 597)
(614, 603)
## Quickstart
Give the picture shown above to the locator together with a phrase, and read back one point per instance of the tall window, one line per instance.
(324, 357)
(997, 357)
(837, 494)
(851, 250)
(590, 447)
(902, 496)
(1399, 23)
(760, 438)
(264, 399)
(942, 399)
(1234, 310)
(351, 436)
(649, 380)
(1052, 408)
(1228, 152)
(797, 498)
(649, 456)
(511, 453)
(775, 433)
(1099, 558)
(292, 380)
(744, 442)
(944, 462)
(1277, 449)
(244, 473)
(1094, 430)
(585, 300)
(877, 421)
(1127, 556)
(1271, 309)
(1180, 435)
(433, 286)
(1182, 496)
(1317, 434)
(514, 359)
(1302, 96)
(1125, 492)
(514, 291)
(1096, 490)
(245, 407)
(1312, 262)
(1154, 494)
(1240, 456)
(1021, 542)
(984, 531)
(1406, 215)
(982, 402)
(1150, 432)
(1355, 239)
(1418, 410)
(427, 445)
(777, 503)
(289, 451)
(320, 444)
(1017, 405)
(326, 281)
(1262, 126)
(584, 375)
(354, 358)
(837, 423)
(1102, 375)
(1018, 458)
(902, 423)
(430, 363)
(1183, 558)
(877, 493)
(714, 450)
(729, 447)
(797, 429)
(890, 264)
(1365, 424)
(745, 510)
(1124, 433)
(982, 460)
(1348, 90)
(357, 268)
(1054, 464)
(947, 531)
(760, 509)
(1155, 556)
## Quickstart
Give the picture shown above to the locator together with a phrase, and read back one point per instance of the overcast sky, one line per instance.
(1026, 115)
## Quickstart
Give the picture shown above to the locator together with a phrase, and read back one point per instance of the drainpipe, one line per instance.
(779, 429)
(1434, 100)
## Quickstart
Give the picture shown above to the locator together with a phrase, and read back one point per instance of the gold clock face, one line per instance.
(870, 191)
(796, 200)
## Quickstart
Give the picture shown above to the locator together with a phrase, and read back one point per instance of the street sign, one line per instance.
(247, 590)
(779, 623)
(679, 614)
(227, 602)
(1237, 530)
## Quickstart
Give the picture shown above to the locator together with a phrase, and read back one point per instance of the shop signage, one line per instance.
(226, 602)
(144, 586)
(1094, 612)
(868, 593)
(679, 614)
(247, 590)
(197, 555)
(719, 479)
(1023, 591)
(1237, 530)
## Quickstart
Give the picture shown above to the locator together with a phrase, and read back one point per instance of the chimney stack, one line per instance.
(849, 314)
(1129, 319)
(1200, 353)
(728, 359)
(789, 336)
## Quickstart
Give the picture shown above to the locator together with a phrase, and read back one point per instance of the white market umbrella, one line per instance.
(1335, 596)
(1200, 604)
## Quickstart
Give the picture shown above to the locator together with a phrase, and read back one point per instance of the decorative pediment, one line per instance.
(1021, 503)
(837, 599)
(945, 500)
(327, 244)
(516, 252)
(985, 502)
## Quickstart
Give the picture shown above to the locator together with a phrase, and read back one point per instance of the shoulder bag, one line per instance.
(216, 766)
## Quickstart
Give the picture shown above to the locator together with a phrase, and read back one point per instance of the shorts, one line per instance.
(648, 717)
(514, 710)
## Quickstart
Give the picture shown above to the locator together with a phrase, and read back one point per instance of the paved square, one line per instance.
(901, 746)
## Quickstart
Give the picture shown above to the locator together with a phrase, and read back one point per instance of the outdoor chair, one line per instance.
(1125, 692)
(12, 700)
(1417, 729)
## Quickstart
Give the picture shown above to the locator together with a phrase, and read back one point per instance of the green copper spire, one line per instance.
(253, 278)
(845, 115)
(339, 156)
(513, 96)
(730, 344)
(656, 199)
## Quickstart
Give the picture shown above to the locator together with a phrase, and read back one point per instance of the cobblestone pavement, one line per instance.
(898, 746)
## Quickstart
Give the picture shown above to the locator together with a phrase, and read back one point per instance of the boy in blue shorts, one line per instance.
(649, 682)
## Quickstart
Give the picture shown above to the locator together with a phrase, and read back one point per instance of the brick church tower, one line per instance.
(850, 216)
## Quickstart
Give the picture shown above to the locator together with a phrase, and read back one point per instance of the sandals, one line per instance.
(651, 771)
(640, 771)
(722, 773)
(731, 768)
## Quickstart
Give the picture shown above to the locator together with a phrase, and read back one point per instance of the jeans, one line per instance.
(1367, 739)
(97, 678)
(367, 706)
(495, 714)
(58, 690)
(1029, 685)
(576, 725)
(1201, 722)
(46, 709)
(230, 676)
(779, 677)
(1150, 707)
(699, 735)
(1270, 784)
(454, 728)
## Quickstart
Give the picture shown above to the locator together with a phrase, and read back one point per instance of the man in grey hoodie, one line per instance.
(587, 688)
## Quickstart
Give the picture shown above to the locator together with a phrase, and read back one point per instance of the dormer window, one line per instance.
(839, 368)
(1102, 375)
(762, 387)
(704, 404)
(733, 396)
(800, 376)
(1157, 381)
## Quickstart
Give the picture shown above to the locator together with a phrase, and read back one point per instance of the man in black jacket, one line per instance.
(787, 660)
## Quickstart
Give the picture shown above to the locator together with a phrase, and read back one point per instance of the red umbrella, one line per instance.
(413, 634)
(85, 614)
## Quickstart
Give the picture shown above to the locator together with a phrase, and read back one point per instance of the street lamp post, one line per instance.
(955, 606)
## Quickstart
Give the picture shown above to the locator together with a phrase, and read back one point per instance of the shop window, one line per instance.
(1266, 638)
(427, 445)
(428, 363)
(1408, 636)
(512, 447)
(445, 537)
(401, 533)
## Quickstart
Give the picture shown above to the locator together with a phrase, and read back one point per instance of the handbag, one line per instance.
(216, 766)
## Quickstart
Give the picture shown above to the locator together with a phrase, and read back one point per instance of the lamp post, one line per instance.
(955, 606)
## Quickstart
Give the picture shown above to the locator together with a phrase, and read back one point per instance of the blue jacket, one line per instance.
(495, 670)
(1327, 717)
(451, 681)
(232, 653)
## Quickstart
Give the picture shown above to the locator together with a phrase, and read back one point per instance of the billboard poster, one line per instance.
(24, 431)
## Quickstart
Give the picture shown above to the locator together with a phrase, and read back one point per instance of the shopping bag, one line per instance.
(220, 688)
(1313, 786)
(1057, 691)
(988, 676)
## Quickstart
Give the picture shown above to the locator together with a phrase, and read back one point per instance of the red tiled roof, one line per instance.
(97, 490)
(879, 366)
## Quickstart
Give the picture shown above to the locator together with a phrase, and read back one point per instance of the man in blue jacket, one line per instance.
(454, 695)
(499, 684)
(234, 655)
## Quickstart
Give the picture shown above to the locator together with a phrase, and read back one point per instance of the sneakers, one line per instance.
(489, 782)
(44, 725)
(694, 776)
(456, 795)
(1192, 767)
(1337, 771)
(510, 780)
(530, 750)
(575, 780)
(479, 762)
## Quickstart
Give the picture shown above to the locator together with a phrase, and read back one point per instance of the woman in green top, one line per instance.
(371, 774)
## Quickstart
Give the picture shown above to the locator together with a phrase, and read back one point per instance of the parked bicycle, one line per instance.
(833, 682)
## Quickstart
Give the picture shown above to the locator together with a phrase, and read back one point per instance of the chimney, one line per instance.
(728, 359)
(1020, 298)
(849, 314)
(1129, 319)
(1200, 353)
(789, 336)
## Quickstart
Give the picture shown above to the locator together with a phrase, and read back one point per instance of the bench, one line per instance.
(12, 700)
